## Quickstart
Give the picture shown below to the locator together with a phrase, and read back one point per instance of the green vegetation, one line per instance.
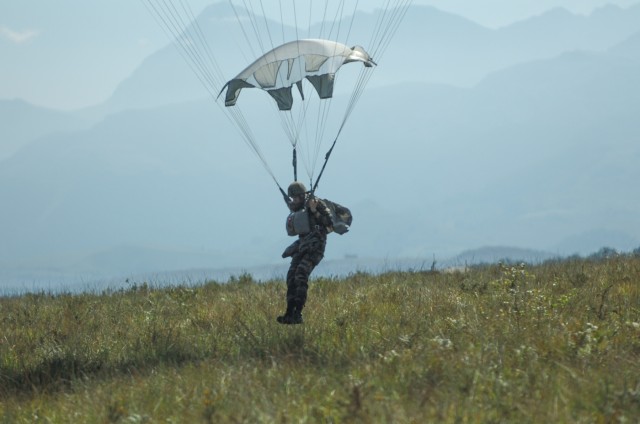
(557, 342)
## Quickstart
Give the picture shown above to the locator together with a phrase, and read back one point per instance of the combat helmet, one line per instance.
(296, 188)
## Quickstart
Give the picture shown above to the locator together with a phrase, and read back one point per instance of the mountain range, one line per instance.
(523, 136)
(430, 46)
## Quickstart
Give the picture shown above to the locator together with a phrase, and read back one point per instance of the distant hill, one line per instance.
(22, 123)
(496, 254)
(629, 47)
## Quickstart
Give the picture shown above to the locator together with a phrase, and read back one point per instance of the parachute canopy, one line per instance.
(277, 70)
(313, 45)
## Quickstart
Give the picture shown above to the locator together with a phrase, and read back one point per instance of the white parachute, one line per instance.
(278, 70)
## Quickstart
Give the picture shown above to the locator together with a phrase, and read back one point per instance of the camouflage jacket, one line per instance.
(321, 219)
(321, 225)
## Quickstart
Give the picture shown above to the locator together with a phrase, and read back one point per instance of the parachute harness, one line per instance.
(179, 22)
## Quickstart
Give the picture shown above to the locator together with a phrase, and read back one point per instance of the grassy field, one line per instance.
(557, 342)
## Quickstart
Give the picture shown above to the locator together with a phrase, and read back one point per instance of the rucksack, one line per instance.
(340, 216)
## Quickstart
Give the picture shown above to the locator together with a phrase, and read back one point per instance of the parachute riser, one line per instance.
(326, 159)
(285, 196)
(295, 165)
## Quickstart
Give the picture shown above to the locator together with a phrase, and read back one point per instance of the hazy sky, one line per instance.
(46, 46)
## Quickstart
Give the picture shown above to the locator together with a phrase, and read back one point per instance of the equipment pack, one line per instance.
(340, 216)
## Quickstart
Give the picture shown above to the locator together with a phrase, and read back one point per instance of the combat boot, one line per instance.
(293, 315)
(288, 315)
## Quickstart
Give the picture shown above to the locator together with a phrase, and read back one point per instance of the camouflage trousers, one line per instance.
(303, 261)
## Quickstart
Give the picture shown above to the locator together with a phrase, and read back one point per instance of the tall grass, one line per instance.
(557, 342)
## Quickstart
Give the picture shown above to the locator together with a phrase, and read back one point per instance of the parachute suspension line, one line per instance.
(295, 128)
(350, 107)
(324, 107)
(325, 112)
(324, 18)
(287, 122)
(243, 125)
(303, 133)
(247, 136)
(311, 156)
(192, 42)
(309, 22)
(282, 20)
(385, 29)
(196, 36)
(380, 22)
(353, 17)
(363, 78)
(173, 24)
(302, 110)
(292, 126)
(266, 25)
(337, 18)
(253, 20)
(178, 23)
(295, 20)
(387, 25)
(254, 24)
(397, 19)
(217, 76)
(244, 32)
(169, 24)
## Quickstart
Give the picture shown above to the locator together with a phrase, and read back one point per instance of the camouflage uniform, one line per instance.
(306, 253)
